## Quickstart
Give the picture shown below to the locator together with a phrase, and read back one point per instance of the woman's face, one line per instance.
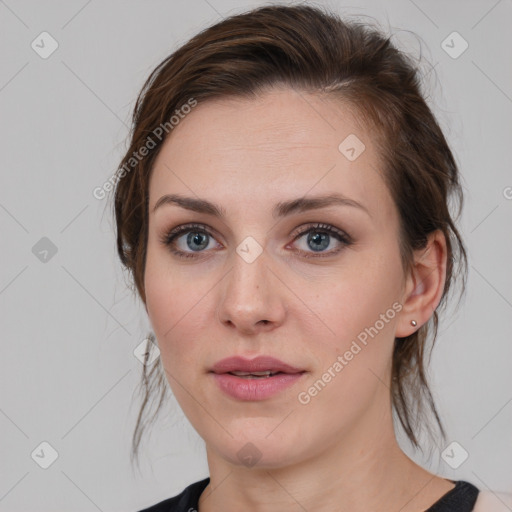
(317, 286)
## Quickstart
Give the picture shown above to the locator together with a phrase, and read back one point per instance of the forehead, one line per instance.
(283, 144)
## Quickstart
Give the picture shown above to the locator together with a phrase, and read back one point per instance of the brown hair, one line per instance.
(311, 50)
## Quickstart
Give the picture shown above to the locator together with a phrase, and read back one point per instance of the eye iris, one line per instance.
(320, 240)
(196, 237)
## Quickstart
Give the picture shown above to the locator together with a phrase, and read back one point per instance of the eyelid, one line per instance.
(343, 238)
(320, 226)
(295, 233)
(168, 237)
(183, 228)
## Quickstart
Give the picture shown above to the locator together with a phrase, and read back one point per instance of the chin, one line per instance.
(258, 451)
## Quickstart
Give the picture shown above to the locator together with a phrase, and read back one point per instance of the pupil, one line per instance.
(321, 241)
(196, 239)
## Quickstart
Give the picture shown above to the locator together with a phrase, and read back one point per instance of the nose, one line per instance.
(252, 297)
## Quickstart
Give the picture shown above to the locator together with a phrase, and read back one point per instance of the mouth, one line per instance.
(255, 375)
(254, 379)
(261, 367)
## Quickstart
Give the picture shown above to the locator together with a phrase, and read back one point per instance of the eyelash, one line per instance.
(169, 238)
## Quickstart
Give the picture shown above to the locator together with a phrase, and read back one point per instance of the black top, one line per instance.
(461, 498)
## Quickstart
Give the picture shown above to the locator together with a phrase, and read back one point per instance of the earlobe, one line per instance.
(424, 285)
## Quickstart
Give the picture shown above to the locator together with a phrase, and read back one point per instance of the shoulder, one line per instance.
(489, 501)
(186, 501)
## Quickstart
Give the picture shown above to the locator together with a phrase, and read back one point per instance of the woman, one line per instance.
(283, 209)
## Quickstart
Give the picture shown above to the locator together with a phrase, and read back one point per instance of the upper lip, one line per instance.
(258, 364)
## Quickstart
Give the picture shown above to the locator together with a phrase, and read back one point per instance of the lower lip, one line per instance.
(255, 389)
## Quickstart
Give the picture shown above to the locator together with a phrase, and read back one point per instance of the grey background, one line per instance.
(70, 324)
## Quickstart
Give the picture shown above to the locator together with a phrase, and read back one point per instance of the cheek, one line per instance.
(173, 319)
(356, 297)
(174, 309)
(359, 314)
(355, 361)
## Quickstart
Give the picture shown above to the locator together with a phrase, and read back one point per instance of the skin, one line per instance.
(246, 155)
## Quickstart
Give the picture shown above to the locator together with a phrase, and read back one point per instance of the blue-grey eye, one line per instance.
(318, 241)
(197, 241)
(322, 239)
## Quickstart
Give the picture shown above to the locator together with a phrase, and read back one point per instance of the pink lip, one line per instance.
(254, 389)
(258, 364)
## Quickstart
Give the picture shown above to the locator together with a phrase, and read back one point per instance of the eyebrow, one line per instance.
(281, 209)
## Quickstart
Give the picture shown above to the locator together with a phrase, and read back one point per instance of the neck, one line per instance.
(363, 469)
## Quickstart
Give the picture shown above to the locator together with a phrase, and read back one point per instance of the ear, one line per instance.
(424, 285)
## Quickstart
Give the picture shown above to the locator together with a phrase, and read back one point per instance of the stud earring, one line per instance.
(413, 323)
